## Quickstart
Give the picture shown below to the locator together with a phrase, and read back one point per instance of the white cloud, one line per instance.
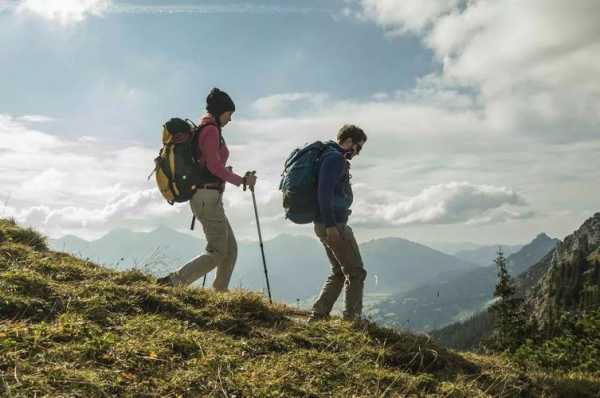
(418, 141)
(428, 137)
(407, 115)
(129, 206)
(64, 11)
(29, 142)
(450, 203)
(89, 186)
(140, 209)
(62, 183)
(407, 16)
(42, 168)
(534, 65)
(35, 119)
(286, 103)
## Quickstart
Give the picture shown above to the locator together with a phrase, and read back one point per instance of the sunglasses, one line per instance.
(358, 148)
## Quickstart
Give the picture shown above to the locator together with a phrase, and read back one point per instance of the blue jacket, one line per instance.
(334, 191)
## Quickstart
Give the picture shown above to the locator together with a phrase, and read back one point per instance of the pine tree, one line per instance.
(510, 320)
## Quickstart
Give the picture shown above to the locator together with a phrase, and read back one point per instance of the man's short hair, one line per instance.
(351, 131)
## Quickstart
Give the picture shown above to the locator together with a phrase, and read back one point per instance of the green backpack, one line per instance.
(178, 173)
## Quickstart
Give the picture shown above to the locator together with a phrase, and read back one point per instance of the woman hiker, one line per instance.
(207, 202)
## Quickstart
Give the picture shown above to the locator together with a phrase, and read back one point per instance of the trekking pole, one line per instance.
(262, 249)
(192, 228)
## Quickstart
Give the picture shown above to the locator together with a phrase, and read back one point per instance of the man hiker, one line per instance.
(331, 226)
(207, 202)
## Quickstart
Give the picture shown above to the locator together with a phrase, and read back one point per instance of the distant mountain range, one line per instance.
(395, 264)
(297, 264)
(453, 248)
(460, 295)
(485, 255)
(121, 248)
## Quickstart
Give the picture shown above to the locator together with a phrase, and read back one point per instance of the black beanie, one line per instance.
(219, 102)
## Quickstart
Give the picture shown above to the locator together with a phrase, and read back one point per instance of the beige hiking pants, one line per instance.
(346, 269)
(221, 247)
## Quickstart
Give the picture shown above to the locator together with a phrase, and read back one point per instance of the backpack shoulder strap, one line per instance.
(198, 130)
(191, 123)
(201, 127)
(327, 147)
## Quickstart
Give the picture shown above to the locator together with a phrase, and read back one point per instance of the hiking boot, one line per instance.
(314, 317)
(359, 323)
(165, 281)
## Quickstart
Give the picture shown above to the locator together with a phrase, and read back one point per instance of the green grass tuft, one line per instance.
(11, 232)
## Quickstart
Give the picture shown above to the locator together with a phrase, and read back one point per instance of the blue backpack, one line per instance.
(299, 182)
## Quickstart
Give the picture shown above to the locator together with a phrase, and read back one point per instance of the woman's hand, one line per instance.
(249, 180)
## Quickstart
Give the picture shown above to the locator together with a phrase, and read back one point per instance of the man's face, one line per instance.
(357, 147)
(352, 148)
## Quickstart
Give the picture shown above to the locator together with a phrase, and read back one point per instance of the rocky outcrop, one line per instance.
(530, 254)
(571, 276)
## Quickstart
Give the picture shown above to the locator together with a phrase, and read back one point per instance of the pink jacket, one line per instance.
(215, 156)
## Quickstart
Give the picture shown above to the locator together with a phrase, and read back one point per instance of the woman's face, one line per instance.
(225, 118)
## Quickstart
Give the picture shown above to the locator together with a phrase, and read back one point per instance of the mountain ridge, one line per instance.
(484, 256)
(572, 280)
(297, 264)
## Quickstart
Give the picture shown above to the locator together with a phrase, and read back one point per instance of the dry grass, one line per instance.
(69, 328)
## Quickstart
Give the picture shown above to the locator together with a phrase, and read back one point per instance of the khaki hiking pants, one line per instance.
(346, 269)
(221, 247)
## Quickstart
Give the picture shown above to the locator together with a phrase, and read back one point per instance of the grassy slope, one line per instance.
(71, 328)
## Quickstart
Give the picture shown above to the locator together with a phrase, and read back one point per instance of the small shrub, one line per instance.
(30, 238)
(576, 348)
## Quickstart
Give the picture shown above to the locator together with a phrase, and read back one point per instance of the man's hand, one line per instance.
(333, 235)
(250, 180)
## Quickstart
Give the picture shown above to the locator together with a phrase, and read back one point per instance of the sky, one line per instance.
(482, 116)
